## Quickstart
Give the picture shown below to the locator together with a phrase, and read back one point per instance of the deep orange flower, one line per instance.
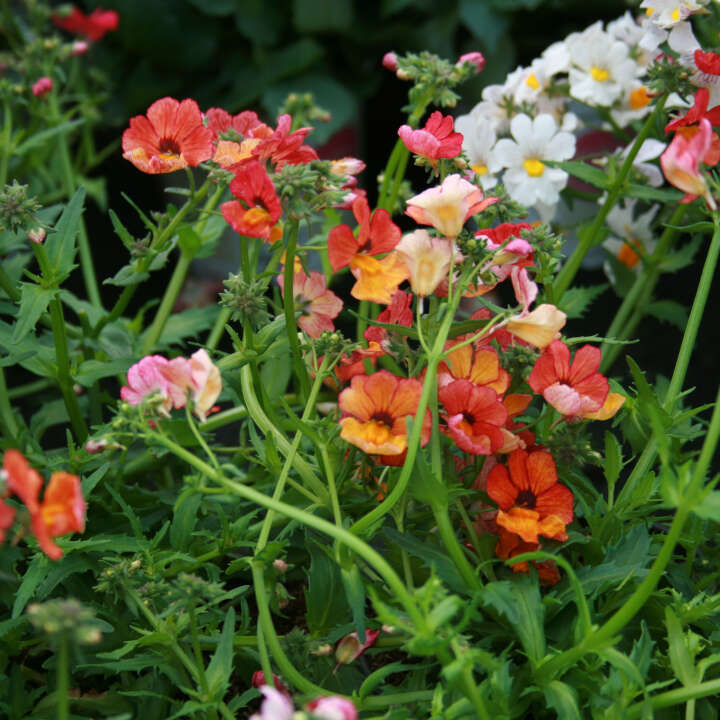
(531, 501)
(62, 511)
(170, 137)
(375, 409)
(7, 515)
(481, 366)
(21, 479)
(509, 545)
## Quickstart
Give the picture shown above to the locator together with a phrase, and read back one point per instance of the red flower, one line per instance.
(170, 137)
(375, 236)
(531, 501)
(7, 515)
(92, 26)
(62, 511)
(573, 389)
(285, 147)
(436, 140)
(696, 112)
(42, 87)
(474, 416)
(398, 312)
(509, 545)
(257, 208)
(246, 124)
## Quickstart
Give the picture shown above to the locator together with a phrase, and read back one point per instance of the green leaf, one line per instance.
(34, 575)
(39, 138)
(184, 519)
(577, 300)
(355, 594)
(563, 699)
(33, 303)
(216, 8)
(325, 602)
(221, 666)
(681, 660)
(392, 7)
(612, 462)
(645, 192)
(669, 311)
(709, 507)
(121, 231)
(90, 371)
(186, 324)
(520, 602)
(683, 257)
(311, 16)
(60, 244)
(189, 241)
(483, 22)
(584, 171)
(259, 21)
(276, 371)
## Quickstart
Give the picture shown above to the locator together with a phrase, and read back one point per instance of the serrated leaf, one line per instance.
(60, 244)
(681, 660)
(709, 507)
(127, 275)
(520, 602)
(221, 666)
(683, 257)
(121, 231)
(584, 171)
(577, 300)
(563, 699)
(669, 311)
(33, 303)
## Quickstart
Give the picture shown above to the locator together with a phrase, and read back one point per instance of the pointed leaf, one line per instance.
(60, 244)
(221, 666)
(563, 699)
(33, 303)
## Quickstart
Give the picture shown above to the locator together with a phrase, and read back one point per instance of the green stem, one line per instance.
(471, 687)
(639, 293)
(590, 238)
(447, 534)
(63, 679)
(171, 294)
(673, 697)
(197, 651)
(5, 143)
(7, 416)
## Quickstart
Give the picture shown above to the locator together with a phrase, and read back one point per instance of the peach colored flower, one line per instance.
(377, 280)
(318, 305)
(539, 327)
(427, 259)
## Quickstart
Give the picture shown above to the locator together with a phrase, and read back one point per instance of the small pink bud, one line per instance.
(280, 565)
(474, 58)
(389, 61)
(333, 708)
(42, 87)
(258, 680)
(93, 447)
(79, 47)
(36, 235)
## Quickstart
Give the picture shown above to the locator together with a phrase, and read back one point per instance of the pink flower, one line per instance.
(275, 706)
(436, 140)
(79, 47)
(472, 58)
(206, 383)
(145, 378)
(446, 207)
(680, 163)
(42, 87)
(333, 708)
(525, 289)
(319, 306)
(389, 61)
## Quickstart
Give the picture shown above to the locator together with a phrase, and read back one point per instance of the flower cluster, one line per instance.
(60, 512)
(277, 705)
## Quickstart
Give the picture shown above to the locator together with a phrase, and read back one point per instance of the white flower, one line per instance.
(630, 235)
(634, 103)
(668, 13)
(601, 66)
(649, 150)
(528, 179)
(478, 141)
(683, 41)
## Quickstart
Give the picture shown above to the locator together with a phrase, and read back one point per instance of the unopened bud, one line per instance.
(36, 235)
(42, 87)
(79, 47)
(389, 61)
(322, 650)
(473, 58)
(93, 447)
(402, 75)
(78, 389)
(280, 565)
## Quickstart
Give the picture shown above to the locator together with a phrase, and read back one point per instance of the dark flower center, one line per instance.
(526, 499)
(168, 146)
(384, 418)
(469, 418)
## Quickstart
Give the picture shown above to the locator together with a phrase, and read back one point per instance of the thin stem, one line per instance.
(332, 489)
(471, 687)
(590, 238)
(673, 697)
(5, 143)
(200, 438)
(7, 416)
(447, 534)
(63, 678)
(197, 651)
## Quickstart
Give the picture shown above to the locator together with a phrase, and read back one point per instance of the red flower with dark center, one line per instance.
(376, 235)
(573, 389)
(531, 501)
(474, 416)
(92, 26)
(257, 208)
(170, 137)
(696, 112)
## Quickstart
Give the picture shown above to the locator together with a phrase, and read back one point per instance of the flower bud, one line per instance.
(93, 447)
(389, 61)
(79, 47)
(42, 87)
(280, 565)
(322, 650)
(36, 235)
(473, 58)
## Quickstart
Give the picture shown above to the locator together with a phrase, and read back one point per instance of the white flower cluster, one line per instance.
(521, 125)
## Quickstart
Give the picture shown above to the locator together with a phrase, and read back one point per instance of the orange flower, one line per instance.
(375, 408)
(7, 515)
(531, 501)
(510, 545)
(21, 479)
(377, 280)
(170, 137)
(480, 366)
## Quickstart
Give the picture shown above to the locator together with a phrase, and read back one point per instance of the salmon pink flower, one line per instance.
(481, 366)
(7, 515)
(170, 137)
(257, 207)
(448, 206)
(375, 408)
(283, 147)
(427, 260)
(538, 327)
(351, 365)
(436, 140)
(61, 512)
(525, 289)
(333, 707)
(92, 26)
(680, 163)
(474, 416)
(246, 124)
(205, 383)
(574, 389)
(42, 87)
(21, 479)
(276, 705)
(148, 376)
(531, 501)
(318, 305)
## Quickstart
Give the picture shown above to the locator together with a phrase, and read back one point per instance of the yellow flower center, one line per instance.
(649, 11)
(599, 74)
(256, 216)
(479, 169)
(639, 98)
(534, 167)
(532, 81)
(675, 15)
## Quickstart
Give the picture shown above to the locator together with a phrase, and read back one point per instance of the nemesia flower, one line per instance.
(539, 327)
(258, 680)
(680, 163)
(169, 137)
(630, 234)
(61, 512)
(93, 26)
(377, 280)
(42, 87)
(205, 382)
(333, 708)
(246, 124)
(574, 389)
(283, 147)
(351, 365)
(477, 59)
(509, 545)
(398, 312)
(436, 140)
(667, 13)
(375, 408)
(474, 416)
(427, 260)
(79, 47)
(531, 502)
(479, 138)
(318, 305)
(257, 208)
(146, 377)
(698, 111)
(7, 515)
(21, 479)
(275, 706)
(448, 206)
(481, 366)
(525, 289)
(613, 403)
